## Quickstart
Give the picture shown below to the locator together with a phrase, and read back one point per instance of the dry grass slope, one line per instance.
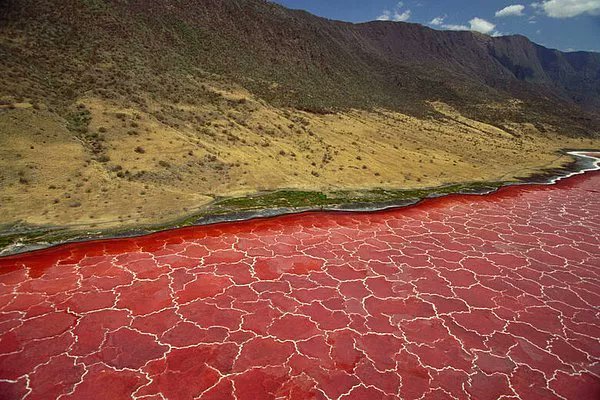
(128, 168)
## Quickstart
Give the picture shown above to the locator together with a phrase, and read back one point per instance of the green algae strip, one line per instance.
(301, 199)
(20, 238)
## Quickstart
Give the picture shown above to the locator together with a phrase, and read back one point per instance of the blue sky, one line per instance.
(562, 24)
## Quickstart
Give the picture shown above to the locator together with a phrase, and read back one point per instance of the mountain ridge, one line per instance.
(319, 64)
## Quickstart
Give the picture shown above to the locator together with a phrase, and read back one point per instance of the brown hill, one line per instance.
(290, 58)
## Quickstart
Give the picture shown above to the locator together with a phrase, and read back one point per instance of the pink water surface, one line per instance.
(480, 297)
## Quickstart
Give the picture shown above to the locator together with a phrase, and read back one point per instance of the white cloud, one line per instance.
(515, 10)
(404, 16)
(453, 27)
(437, 21)
(481, 25)
(397, 14)
(476, 24)
(386, 15)
(568, 8)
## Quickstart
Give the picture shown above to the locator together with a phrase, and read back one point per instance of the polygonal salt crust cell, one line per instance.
(480, 297)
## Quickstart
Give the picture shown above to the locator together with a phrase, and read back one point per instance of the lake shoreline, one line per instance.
(13, 243)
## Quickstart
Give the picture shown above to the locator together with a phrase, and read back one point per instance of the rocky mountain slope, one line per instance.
(288, 57)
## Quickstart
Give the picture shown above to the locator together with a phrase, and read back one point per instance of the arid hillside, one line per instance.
(118, 113)
(116, 48)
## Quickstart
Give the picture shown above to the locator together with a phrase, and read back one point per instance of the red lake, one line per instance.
(460, 297)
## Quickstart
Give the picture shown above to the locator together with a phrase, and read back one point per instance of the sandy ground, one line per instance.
(155, 170)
